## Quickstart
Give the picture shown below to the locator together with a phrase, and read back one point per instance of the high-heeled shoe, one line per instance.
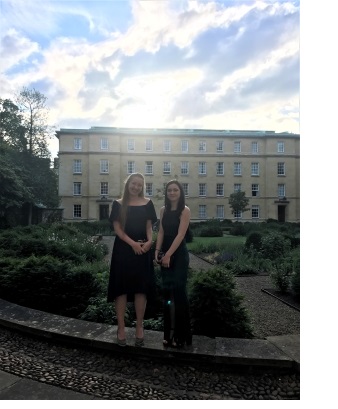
(120, 342)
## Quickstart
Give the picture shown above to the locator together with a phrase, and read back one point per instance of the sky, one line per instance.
(227, 64)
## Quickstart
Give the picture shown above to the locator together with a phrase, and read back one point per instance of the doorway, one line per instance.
(104, 211)
(281, 213)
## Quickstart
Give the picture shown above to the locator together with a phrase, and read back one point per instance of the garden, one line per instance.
(63, 269)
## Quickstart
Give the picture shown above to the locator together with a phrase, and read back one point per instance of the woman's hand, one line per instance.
(138, 248)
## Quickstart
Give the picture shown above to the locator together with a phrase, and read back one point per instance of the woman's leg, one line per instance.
(140, 308)
(120, 306)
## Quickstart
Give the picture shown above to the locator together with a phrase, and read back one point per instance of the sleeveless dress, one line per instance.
(174, 284)
(130, 273)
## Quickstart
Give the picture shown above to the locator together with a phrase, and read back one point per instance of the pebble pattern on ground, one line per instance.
(108, 376)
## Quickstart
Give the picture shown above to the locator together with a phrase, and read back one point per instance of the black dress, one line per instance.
(174, 281)
(130, 273)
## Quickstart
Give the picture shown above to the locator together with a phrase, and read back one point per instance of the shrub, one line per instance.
(274, 245)
(253, 241)
(238, 229)
(216, 309)
(212, 231)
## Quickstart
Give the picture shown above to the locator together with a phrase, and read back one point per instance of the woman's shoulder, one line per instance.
(119, 201)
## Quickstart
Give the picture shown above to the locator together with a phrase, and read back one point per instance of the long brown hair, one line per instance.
(126, 196)
(181, 200)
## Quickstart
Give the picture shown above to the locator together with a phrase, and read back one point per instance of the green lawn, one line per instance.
(213, 244)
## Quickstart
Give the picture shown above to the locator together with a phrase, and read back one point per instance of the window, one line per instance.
(255, 211)
(237, 214)
(131, 145)
(237, 147)
(254, 169)
(202, 211)
(280, 147)
(281, 169)
(184, 168)
(219, 168)
(254, 147)
(202, 189)
(237, 187)
(149, 168)
(130, 167)
(77, 188)
(77, 143)
(220, 211)
(219, 146)
(149, 189)
(202, 168)
(184, 146)
(202, 146)
(185, 188)
(104, 188)
(237, 169)
(254, 189)
(77, 211)
(166, 146)
(104, 144)
(166, 168)
(281, 190)
(219, 189)
(104, 166)
(77, 166)
(149, 145)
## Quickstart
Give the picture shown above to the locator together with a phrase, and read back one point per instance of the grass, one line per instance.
(216, 244)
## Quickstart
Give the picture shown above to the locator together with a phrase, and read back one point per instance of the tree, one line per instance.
(32, 105)
(238, 203)
(11, 125)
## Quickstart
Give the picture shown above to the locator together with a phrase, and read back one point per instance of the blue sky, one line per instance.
(178, 64)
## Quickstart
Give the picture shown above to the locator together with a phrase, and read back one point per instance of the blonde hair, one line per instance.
(126, 196)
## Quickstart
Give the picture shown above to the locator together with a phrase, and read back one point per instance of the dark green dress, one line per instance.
(174, 280)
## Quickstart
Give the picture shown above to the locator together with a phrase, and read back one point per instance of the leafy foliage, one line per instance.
(216, 307)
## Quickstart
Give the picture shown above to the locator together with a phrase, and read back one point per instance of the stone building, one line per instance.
(211, 164)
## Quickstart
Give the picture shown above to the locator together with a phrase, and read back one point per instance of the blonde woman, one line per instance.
(131, 269)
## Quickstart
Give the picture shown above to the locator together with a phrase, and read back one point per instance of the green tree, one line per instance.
(32, 105)
(238, 202)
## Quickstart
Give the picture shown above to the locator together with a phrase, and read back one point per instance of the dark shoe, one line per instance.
(139, 342)
(120, 342)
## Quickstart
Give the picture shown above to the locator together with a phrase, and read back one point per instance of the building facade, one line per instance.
(210, 164)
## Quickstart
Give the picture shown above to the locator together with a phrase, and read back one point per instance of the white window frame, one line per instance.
(220, 189)
(166, 168)
(149, 167)
(104, 188)
(149, 189)
(254, 168)
(166, 145)
(185, 145)
(202, 146)
(237, 169)
(104, 166)
(220, 211)
(281, 190)
(219, 146)
(281, 169)
(130, 167)
(77, 144)
(185, 187)
(185, 168)
(255, 211)
(77, 166)
(237, 187)
(254, 189)
(104, 144)
(202, 190)
(220, 168)
(202, 211)
(149, 145)
(131, 145)
(77, 189)
(237, 147)
(280, 147)
(254, 147)
(202, 168)
(238, 214)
